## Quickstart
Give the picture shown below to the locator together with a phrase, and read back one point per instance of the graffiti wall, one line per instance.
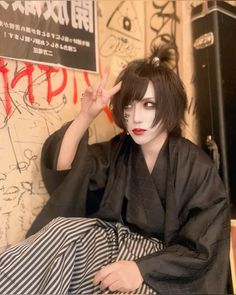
(186, 68)
(163, 23)
(35, 100)
(170, 22)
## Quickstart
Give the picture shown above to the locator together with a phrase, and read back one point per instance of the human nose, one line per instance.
(137, 115)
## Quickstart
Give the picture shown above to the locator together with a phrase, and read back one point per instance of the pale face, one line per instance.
(139, 117)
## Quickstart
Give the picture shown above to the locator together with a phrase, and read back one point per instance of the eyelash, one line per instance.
(150, 104)
(147, 105)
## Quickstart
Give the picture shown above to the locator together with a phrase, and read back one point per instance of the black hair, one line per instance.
(170, 95)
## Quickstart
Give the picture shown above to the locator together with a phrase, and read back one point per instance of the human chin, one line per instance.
(141, 137)
(140, 140)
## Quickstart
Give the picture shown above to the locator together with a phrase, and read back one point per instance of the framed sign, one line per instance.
(60, 33)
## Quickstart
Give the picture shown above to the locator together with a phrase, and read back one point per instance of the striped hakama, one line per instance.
(63, 257)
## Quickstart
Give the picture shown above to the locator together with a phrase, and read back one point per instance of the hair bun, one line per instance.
(161, 54)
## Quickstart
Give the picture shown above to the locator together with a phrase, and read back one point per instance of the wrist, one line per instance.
(85, 117)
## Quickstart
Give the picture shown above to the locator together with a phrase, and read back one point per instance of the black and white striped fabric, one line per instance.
(64, 256)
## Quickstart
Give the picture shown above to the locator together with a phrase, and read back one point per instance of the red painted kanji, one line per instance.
(86, 79)
(75, 97)
(7, 99)
(28, 72)
(48, 72)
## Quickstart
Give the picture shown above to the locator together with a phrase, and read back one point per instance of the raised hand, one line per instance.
(93, 101)
(96, 97)
(123, 276)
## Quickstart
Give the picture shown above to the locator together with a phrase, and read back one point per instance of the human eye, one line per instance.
(150, 104)
(128, 107)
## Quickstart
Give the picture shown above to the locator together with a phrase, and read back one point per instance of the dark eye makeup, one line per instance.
(149, 104)
(128, 106)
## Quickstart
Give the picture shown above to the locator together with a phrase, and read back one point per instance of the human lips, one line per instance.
(138, 131)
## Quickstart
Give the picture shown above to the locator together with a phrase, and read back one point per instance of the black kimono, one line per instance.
(183, 202)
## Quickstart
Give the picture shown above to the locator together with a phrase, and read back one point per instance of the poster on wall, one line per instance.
(59, 33)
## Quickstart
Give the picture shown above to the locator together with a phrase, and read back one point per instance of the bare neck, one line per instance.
(152, 149)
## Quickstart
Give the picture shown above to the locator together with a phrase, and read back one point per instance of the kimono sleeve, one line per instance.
(91, 160)
(50, 151)
(196, 257)
(68, 190)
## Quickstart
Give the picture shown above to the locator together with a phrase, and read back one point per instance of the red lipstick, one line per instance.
(138, 131)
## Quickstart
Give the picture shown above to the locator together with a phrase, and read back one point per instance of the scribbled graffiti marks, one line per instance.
(121, 46)
(127, 36)
(163, 23)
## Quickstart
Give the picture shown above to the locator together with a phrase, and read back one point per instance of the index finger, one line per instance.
(105, 76)
(114, 89)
